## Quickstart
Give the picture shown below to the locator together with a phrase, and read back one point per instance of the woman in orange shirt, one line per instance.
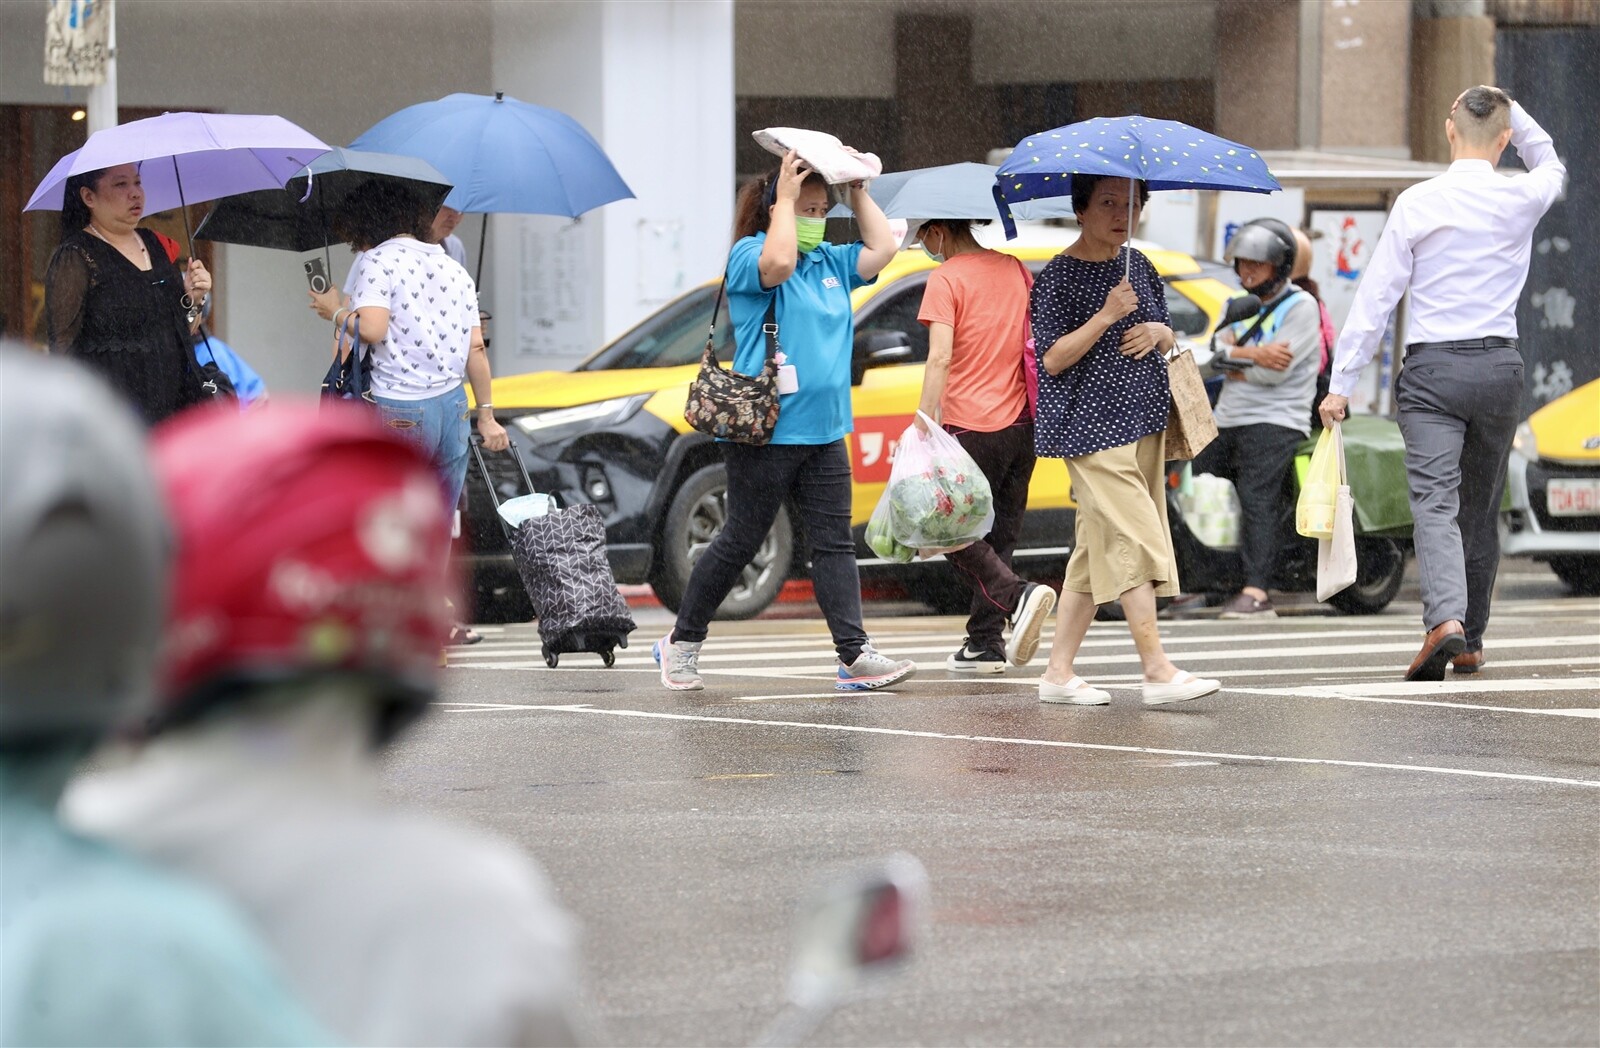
(976, 310)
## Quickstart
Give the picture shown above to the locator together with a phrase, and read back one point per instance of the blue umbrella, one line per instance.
(502, 155)
(1165, 154)
(950, 191)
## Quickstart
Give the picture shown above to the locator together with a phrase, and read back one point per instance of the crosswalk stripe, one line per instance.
(1274, 651)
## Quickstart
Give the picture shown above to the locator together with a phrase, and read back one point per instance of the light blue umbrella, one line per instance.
(502, 155)
(951, 191)
(1164, 154)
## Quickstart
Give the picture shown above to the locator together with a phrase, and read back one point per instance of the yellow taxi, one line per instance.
(612, 432)
(1552, 507)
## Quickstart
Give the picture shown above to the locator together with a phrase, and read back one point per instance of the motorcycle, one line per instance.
(1208, 563)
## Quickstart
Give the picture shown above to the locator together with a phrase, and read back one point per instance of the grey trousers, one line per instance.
(1459, 410)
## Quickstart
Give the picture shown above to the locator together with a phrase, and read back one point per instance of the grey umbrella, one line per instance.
(951, 191)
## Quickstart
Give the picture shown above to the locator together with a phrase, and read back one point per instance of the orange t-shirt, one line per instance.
(984, 297)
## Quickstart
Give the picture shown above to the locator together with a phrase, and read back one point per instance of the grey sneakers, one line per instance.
(679, 662)
(873, 670)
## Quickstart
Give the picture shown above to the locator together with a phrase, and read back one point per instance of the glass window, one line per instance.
(1187, 318)
(897, 311)
(672, 337)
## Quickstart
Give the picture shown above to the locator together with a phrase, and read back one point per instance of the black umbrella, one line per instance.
(299, 217)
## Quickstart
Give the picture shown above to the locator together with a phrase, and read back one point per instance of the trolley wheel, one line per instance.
(551, 658)
(608, 657)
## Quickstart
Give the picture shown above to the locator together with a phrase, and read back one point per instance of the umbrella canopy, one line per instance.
(1165, 154)
(299, 217)
(188, 158)
(951, 191)
(503, 156)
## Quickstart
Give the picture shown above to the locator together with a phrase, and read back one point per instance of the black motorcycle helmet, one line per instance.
(1267, 240)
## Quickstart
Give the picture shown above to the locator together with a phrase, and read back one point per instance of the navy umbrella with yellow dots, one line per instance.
(1164, 154)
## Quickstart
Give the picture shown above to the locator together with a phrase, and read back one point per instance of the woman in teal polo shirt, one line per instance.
(778, 252)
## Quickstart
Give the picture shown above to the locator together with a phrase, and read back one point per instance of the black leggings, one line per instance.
(815, 478)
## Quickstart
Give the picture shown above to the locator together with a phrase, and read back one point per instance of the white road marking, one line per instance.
(1126, 655)
(1389, 692)
(1047, 743)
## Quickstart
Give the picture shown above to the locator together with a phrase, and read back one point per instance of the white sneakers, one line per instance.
(1181, 688)
(1076, 691)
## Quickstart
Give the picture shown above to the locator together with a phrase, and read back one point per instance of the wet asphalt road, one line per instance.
(1318, 855)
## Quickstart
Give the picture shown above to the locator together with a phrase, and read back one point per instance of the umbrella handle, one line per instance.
(1127, 255)
(182, 205)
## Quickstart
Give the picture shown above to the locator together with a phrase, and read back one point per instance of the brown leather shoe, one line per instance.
(1468, 662)
(1443, 643)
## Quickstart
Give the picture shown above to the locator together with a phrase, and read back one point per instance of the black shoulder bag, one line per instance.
(731, 406)
(350, 375)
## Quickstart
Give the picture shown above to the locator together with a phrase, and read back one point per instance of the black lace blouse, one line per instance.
(125, 323)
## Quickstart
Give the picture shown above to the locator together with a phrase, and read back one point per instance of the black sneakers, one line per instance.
(965, 660)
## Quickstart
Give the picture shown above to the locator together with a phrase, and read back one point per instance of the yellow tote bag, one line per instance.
(1313, 516)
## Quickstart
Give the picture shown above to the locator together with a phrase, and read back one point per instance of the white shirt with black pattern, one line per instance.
(433, 308)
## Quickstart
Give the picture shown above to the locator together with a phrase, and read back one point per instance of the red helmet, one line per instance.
(310, 541)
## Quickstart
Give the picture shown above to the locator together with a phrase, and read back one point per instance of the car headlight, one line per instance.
(1525, 443)
(542, 426)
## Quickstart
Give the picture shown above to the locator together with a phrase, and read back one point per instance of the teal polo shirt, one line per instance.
(816, 330)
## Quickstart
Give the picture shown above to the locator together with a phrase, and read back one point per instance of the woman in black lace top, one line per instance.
(115, 301)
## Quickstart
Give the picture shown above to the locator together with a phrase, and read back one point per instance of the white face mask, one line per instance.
(937, 256)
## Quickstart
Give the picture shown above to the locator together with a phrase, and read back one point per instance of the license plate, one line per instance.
(1573, 498)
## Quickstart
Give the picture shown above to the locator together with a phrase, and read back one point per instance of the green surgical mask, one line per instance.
(808, 233)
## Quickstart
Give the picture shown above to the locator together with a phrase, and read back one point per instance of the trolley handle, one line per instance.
(476, 443)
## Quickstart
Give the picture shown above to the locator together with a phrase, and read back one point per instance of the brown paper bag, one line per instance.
(1190, 425)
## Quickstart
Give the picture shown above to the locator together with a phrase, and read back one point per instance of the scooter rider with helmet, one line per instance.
(1264, 410)
(96, 946)
(309, 612)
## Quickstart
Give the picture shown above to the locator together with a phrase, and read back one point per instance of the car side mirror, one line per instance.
(876, 349)
(1242, 308)
(853, 931)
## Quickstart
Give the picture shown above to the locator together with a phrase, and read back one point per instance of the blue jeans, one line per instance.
(438, 426)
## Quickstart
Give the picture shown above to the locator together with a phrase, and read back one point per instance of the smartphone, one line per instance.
(317, 276)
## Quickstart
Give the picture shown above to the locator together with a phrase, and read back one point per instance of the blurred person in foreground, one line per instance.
(1270, 363)
(1100, 330)
(1461, 243)
(975, 385)
(114, 299)
(309, 608)
(96, 947)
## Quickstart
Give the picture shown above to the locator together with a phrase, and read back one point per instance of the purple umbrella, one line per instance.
(189, 158)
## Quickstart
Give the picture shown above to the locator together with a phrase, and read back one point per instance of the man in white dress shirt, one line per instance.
(1461, 242)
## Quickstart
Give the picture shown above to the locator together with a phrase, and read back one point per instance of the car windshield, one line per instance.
(672, 337)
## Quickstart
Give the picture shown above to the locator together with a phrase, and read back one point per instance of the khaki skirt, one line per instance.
(1122, 539)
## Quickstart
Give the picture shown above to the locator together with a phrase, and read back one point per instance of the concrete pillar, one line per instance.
(1449, 53)
(1365, 77)
(944, 116)
(653, 83)
(1258, 72)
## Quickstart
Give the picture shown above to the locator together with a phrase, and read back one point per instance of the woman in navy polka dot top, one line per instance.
(1103, 405)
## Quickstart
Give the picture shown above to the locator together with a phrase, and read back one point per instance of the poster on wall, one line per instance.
(554, 306)
(76, 35)
(1343, 241)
